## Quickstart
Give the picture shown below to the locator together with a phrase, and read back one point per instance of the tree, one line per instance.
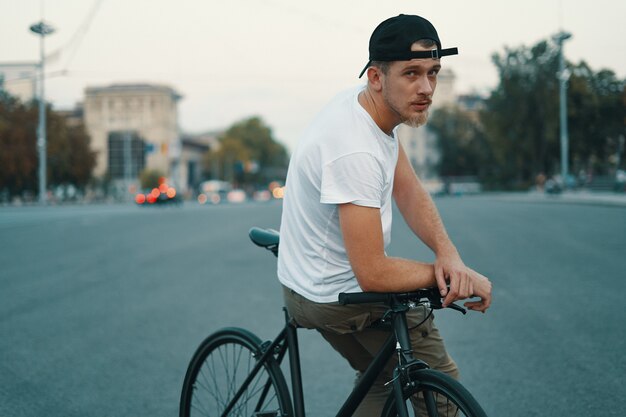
(521, 119)
(18, 153)
(69, 156)
(248, 154)
(596, 114)
(521, 115)
(462, 143)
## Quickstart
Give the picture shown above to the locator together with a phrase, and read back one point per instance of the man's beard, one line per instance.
(419, 120)
(412, 120)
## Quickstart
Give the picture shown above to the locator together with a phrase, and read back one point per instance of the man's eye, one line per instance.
(411, 73)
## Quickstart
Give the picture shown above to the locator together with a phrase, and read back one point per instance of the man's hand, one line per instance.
(482, 290)
(450, 268)
(464, 282)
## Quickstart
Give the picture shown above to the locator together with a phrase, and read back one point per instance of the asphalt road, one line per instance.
(102, 307)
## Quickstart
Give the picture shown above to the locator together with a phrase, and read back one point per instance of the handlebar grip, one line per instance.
(346, 298)
(380, 297)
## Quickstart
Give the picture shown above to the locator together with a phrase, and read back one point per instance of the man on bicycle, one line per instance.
(336, 219)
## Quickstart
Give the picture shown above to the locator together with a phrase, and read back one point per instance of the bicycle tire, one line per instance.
(452, 398)
(218, 368)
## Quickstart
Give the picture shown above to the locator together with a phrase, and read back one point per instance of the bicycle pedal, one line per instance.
(266, 414)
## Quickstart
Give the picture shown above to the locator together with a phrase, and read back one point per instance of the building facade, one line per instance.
(194, 149)
(134, 127)
(420, 143)
(19, 79)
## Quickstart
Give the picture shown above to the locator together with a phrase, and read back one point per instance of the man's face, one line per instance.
(408, 87)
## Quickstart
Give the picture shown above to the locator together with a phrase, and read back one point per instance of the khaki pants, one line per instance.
(346, 328)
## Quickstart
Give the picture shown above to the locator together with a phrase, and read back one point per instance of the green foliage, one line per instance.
(521, 117)
(596, 117)
(69, 157)
(517, 135)
(247, 154)
(462, 143)
(18, 152)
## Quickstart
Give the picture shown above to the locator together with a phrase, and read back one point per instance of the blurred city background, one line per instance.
(137, 92)
(139, 141)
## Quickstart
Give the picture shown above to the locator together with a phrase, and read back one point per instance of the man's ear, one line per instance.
(374, 78)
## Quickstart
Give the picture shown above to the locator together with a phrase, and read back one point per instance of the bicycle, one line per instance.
(234, 373)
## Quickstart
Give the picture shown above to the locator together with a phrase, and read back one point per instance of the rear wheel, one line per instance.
(434, 394)
(219, 368)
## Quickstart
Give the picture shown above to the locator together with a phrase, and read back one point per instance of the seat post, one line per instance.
(294, 365)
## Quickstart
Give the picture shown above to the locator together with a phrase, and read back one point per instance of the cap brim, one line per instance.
(365, 69)
(407, 56)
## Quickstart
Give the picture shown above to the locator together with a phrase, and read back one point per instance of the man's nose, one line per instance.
(424, 87)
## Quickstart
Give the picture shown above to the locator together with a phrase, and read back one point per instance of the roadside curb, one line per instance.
(582, 198)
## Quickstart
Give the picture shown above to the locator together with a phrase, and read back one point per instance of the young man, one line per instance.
(336, 220)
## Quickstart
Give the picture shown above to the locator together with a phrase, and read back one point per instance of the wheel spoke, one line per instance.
(217, 378)
(434, 394)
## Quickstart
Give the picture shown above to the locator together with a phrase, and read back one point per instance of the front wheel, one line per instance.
(434, 394)
(218, 371)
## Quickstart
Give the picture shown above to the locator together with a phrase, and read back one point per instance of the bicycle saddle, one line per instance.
(266, 238)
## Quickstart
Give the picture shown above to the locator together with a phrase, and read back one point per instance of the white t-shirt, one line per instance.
(343, 157)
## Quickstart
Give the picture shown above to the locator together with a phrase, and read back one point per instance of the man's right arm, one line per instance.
(422, 216)
(374, 270)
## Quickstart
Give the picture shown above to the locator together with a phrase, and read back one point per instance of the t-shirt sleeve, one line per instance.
(356, 178)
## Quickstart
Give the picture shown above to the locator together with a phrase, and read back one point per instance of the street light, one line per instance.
(42, 29)
(563, 76)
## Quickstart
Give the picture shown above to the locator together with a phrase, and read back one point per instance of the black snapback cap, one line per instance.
(393, 38)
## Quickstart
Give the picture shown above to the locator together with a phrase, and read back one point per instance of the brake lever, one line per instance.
(437, 305)
(457, 308)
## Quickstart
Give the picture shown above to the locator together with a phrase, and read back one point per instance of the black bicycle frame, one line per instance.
(287, 339)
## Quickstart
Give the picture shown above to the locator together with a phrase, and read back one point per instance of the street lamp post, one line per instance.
(563, 76)
(42, 29)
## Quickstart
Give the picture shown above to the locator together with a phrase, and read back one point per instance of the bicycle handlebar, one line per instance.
(417, 296)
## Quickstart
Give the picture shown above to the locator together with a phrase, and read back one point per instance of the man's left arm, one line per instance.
(420, 213)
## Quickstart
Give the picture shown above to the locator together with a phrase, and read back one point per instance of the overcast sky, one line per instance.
(282, 59)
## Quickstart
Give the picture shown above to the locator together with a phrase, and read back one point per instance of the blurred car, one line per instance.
(236, 196)
(262, 195)
(214, 191)
(553, 186)
(556, 184)
(163, 195)
(211, 197)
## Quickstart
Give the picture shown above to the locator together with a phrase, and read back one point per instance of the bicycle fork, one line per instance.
(406, 361)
